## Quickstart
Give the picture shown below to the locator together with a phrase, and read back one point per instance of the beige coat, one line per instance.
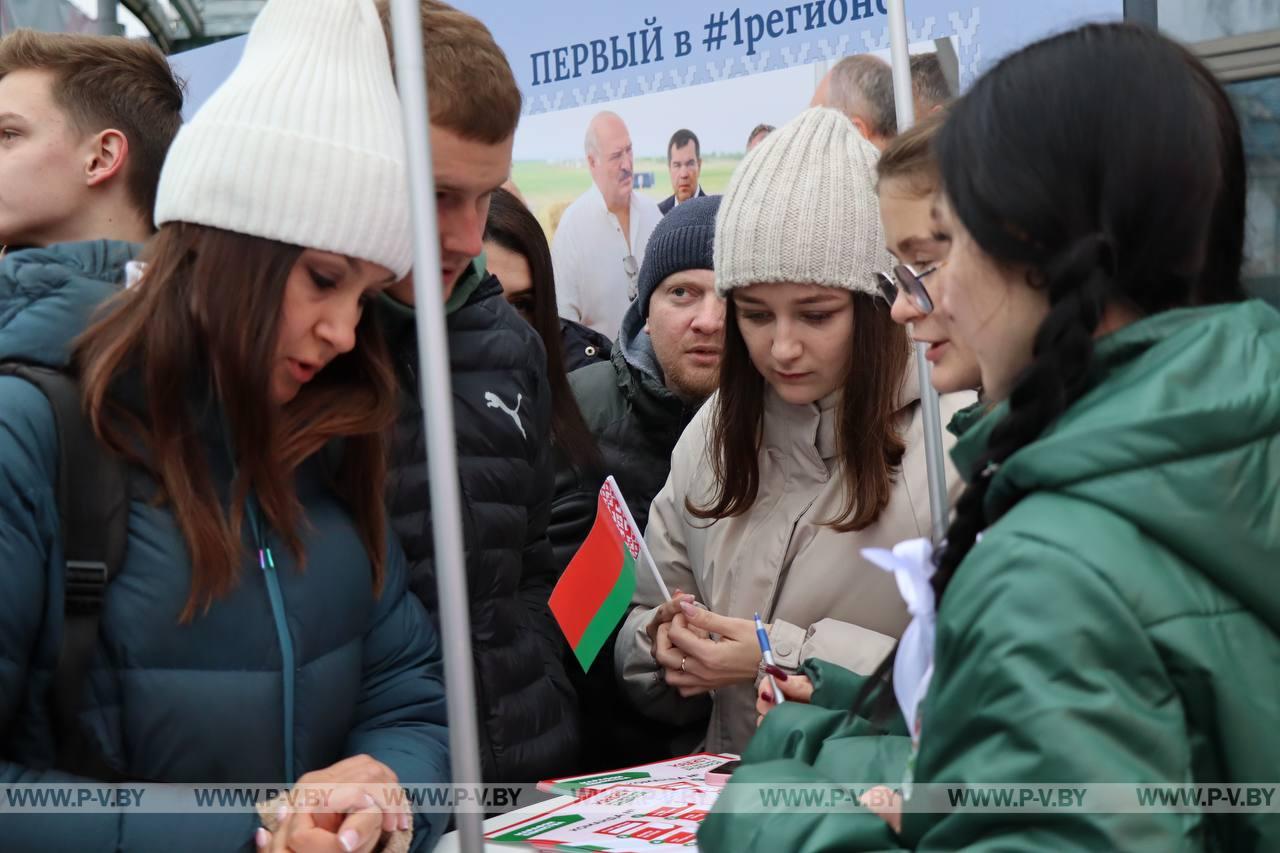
(822, 598)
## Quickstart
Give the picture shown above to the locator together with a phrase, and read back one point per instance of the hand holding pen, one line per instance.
(766, 652)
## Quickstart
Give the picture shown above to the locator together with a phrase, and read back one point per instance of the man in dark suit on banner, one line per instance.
(684, 161)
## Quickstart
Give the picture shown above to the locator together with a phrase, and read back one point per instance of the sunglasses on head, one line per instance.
(631, 268)
(909, 281)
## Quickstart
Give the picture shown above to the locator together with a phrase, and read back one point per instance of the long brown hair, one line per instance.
(208, 309)
(867, 441)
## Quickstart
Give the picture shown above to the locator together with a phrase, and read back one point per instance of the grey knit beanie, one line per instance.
(802, 207)
(683, 240)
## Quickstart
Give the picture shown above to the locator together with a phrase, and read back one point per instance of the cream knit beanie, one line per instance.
(802, 207)
(303, 143)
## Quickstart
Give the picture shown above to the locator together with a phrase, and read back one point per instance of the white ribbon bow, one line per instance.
(911, 563)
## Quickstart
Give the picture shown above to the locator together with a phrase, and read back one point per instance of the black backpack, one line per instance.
(93, 505)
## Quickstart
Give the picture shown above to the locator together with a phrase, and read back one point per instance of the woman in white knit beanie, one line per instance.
(811, 449)
(258, 628)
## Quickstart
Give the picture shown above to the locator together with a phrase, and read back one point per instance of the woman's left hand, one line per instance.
(711, 664)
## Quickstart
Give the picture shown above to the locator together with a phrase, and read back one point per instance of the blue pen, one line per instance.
(767, 654)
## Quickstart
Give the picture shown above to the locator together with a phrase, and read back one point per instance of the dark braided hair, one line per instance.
(1101, 165)
(1059, 374)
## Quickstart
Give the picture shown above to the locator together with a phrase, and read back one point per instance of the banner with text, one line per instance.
(589, 52)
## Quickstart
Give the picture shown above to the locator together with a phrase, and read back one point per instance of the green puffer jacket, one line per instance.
(1121, 624)
(290, 672)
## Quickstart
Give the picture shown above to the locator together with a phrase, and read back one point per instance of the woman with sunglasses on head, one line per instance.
(907, 186)
(258, 629)
(811, 448)
(1106, 605)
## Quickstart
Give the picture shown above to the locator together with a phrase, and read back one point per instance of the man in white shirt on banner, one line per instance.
(599, 246)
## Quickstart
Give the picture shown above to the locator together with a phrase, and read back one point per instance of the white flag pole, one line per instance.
(437, 412)
(612, 485)
(935, 461)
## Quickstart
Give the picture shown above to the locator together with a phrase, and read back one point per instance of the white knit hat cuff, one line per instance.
(226, 176)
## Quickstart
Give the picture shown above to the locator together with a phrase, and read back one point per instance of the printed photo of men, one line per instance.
(684, 162)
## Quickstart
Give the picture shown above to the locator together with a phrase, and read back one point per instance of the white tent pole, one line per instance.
(437, 412)
(934, 459)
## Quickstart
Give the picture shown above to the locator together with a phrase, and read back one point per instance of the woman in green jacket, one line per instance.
(1107, 610)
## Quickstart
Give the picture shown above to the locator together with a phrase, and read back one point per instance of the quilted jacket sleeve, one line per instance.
(573, 511)
(400, 715)
(30, 600)
(810, 748)
(1043, 653)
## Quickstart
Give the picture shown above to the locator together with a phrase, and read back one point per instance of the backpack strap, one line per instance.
(93, 506)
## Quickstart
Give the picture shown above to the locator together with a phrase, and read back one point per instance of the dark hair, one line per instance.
(209, 305)
(1221, 280)
(867, 439)
(928, 83)
(470, 87)
(766, 129)
(681, 138)
(108, 82)
(1113, 182)
(1105, 189)
(513, 227)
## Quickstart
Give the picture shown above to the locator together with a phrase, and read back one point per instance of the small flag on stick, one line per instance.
(596, 589)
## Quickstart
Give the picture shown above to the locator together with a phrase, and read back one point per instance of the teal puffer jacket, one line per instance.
(1121, 624)
(211, 700)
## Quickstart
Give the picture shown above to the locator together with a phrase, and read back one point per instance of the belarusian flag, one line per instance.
(596, 589)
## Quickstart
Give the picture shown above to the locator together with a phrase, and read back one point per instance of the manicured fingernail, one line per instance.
(262, 838)
(349, 839)
(768, 697)
(406, 821)
(689, 609)
(775, 672)
(282, 814)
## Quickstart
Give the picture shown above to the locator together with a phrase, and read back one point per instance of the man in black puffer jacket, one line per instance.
(528, 716)
(502, 414)
(665, 364)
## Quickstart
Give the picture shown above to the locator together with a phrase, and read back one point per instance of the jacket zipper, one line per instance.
(268, 565)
